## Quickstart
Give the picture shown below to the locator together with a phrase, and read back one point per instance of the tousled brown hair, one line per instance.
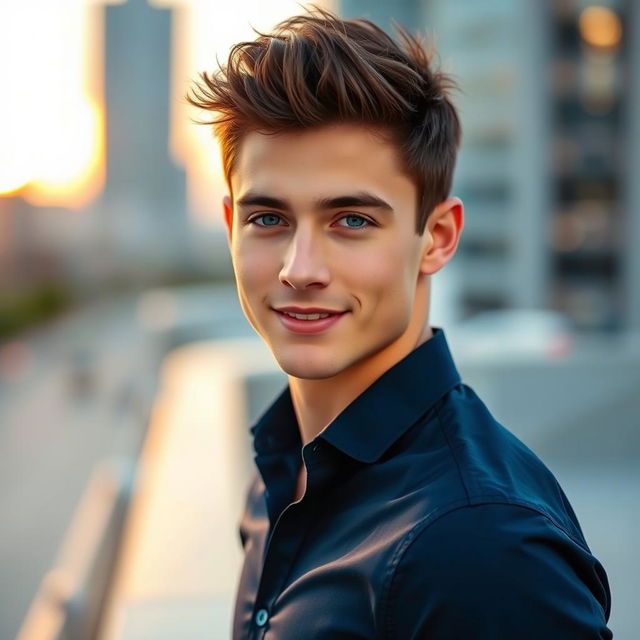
(317, 69)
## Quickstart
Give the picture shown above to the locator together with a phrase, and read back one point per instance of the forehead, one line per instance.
(328, 159)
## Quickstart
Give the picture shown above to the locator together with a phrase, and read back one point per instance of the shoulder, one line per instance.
(490, 570)
(493, 465)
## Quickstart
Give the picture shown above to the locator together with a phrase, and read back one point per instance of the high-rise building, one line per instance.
(144, 200)
(592, 83)
(549, 97)
(497, 51)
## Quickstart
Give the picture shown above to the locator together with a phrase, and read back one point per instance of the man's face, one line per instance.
(323, 222)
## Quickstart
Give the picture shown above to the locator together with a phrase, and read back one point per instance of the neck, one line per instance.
(318, 402)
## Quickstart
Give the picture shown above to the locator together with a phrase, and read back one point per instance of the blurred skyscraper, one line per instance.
(144, 199)
(549, 97)
(594, 230)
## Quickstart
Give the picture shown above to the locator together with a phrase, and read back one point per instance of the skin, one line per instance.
(298, 253)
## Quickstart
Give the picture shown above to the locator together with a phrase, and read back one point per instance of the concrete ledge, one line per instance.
(181, 555)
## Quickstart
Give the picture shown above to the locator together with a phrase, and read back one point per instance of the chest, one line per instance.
(320, 571)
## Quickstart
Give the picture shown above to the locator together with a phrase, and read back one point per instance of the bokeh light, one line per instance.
(600, 27)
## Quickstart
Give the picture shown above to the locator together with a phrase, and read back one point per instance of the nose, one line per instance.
(304, 265)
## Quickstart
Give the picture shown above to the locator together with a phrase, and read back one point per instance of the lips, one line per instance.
(306, 310)
(308, 320)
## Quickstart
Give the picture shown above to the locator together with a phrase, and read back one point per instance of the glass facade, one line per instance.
(589, 61)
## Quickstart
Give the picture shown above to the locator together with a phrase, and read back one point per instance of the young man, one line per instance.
(388, 502)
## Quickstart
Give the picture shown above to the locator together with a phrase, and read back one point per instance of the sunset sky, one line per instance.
(52, 114)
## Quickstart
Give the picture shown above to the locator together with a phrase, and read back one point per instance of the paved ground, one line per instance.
(80, 398)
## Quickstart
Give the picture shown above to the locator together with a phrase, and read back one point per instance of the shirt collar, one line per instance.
(378, 416)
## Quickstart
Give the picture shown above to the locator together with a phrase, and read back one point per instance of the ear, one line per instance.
(227, 206)
(442, 234)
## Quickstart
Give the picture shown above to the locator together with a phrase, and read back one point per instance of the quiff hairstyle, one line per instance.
(317, 69)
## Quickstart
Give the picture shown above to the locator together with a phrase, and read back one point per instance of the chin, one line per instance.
(308, 368)
(306, 371)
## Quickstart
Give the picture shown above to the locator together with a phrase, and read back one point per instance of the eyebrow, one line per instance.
(359, 199)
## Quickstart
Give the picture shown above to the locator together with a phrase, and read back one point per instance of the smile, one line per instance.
(308, 323)
(306, 316)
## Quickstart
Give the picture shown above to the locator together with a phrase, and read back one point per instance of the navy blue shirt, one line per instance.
(423, 518)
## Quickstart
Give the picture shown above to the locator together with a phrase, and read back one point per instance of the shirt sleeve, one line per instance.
(496, 571)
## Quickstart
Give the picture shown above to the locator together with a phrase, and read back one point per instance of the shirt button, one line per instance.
(261, 617)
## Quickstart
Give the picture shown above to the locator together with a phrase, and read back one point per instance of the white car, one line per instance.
(512, 333)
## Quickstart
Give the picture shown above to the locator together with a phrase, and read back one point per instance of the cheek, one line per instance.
(387, 269)
(252, 268)
(388, 280)
(252, 280)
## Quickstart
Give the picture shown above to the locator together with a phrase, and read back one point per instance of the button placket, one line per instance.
(284, 540)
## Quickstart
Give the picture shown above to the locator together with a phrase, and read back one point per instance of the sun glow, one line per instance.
(208, 31)
(51, 120)
(69, 169)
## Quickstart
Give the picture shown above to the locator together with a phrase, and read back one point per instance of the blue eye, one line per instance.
(354, 222)
(267, 220)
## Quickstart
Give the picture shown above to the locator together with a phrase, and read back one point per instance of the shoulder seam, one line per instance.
(453, 453)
